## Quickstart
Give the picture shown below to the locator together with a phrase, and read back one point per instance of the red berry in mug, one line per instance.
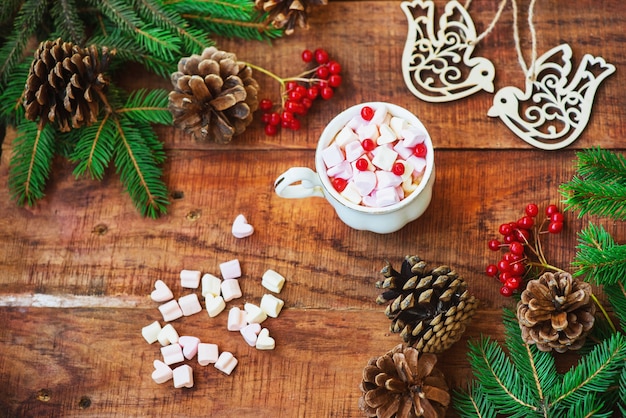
(367, 113)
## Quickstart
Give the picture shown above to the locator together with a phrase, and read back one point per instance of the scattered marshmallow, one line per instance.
(183, 376)
(254, 314)
(214, 305)
(162, 372)
(172, 353)
(226, 362)
(230, 269)
(230, 289)
(189, 304)
(250, 333)
(264, 341)
(189, 345)
(207, 354)
(161, 292)
(170, 311)
(241, 228)
(271, 305)
(236, 319)
(151, 332)
(211, 285)
(272, 281)
(168, 335)
(190, 279)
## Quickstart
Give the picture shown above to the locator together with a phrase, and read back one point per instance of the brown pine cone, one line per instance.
(214, 95)
(556, 312)
(66, 84)
(404, 384)
(429, 308)
(288, 13)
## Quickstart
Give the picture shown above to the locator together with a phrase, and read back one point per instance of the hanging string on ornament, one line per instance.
(439, 66)
(555, 107)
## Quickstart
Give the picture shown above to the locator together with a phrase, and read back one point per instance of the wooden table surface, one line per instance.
(76, 270)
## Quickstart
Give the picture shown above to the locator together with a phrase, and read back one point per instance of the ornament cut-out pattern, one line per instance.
(555, 108)
(439, 66)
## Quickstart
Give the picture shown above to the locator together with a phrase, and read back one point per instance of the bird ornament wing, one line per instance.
(439, 66)
(554, 108)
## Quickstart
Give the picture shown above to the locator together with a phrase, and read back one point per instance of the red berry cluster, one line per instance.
(521, 248)
(299, 92)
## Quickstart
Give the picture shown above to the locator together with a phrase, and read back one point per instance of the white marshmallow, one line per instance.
(162, 372)
(183, 376)
(190, 279)
(264, 341)
(351, 193)
(369, 131)
(161, 292)
(387, 196)
(254, 314)
(345, 136)
(230, 289)
(356, 122)
(230, 269)
(236, 319)
(365, 182)
(398, 125)
(214, 305)
(207, 353)
(354, 150)
(250, 332)
(151, 332)
(413, 136)
(226, 362)
(387, 135)
(380, 114)
(342, 170)
(271, 305)
(172, 353)
(408, 171)
(387, 179)
(167, 335)
(189, 304)
(332, 155)
(170, 311)
(272, 281)
(384, 158)
(418, 163)
(211, 285)
(189, 345)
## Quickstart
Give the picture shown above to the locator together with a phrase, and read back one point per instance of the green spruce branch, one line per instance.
(525, 382)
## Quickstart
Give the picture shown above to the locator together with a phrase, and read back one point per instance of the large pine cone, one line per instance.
(429, 308)
(556, 312)
(288, 14)
(404, 384)
(214, 95)
(66, 84)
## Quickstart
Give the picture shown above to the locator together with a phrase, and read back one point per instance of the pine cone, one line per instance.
(429, 308)
(288, 13)
(214, 95)
(556, 312)
(65, 84)
(404, 384)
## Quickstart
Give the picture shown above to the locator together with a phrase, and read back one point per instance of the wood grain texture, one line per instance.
(85, 249)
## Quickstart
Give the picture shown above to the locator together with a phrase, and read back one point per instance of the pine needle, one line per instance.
(598, 257)
(473, 403)
(94, 149)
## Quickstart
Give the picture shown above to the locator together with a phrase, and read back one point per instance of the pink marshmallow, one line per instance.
(250, 333)
(369, 131)
(353, 150)
(386, 197)
(230, 269)
(189, 304)
(402, 150)
(332, 155)
(190, 346)
(387, 179)
(418, 163)
(342, 170)
(365, 182)
(170, 311)
(236, 319)
(413, 136)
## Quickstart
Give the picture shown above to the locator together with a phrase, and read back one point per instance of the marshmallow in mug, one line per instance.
(376, 162)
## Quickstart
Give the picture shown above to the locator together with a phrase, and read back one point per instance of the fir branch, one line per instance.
(254, 29)
(138, 169)
(8, 8)
(68, 23)
(595, 373)
(473, 403)
(598, 257)
(599, 185)
(33, 150)
(149, 106)
(616, 293)
(94, 149)
(11, 109)
(28, 19)
(622, 392)
(501, 381)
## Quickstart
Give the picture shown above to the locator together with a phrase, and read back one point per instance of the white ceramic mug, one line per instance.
(301, 182)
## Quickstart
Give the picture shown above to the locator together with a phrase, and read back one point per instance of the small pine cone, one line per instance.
(429, 308)
(556, 312)
(65, 84)
(404, 384)
(288, 14)
(214, 95)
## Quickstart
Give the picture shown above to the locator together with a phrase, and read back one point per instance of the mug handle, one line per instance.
(297, 183)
